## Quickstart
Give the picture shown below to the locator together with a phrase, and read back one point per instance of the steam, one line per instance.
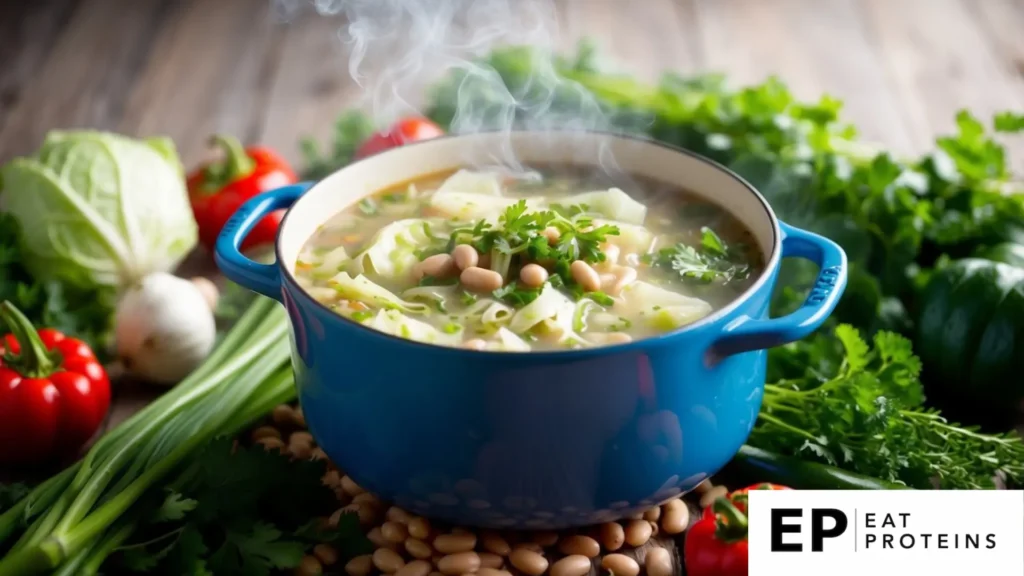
(398, 48)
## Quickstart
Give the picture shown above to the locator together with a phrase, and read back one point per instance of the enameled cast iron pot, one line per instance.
(542, 439)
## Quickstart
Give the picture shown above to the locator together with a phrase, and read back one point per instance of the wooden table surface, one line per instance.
(187, 68)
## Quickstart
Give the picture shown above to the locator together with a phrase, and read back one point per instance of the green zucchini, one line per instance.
(970, 338)
(761, 466)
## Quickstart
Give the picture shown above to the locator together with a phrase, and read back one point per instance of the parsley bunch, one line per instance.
(521, 232)
(712, 261)
(86, 314)
(859, 407)
(245, 512)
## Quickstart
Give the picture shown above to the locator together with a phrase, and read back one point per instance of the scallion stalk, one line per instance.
(88, 504)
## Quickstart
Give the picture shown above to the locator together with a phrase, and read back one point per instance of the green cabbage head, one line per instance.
(98, 209)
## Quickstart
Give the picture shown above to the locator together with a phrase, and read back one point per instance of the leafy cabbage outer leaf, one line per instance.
(331, 262)
(612, 203)
(467, 206)
(507, 341)
(392, 253)
(468, 181)
(631, 239)
(659, 308)
(99, 209)
(361, 289)
(397, 324)
(468, 195)
(548, 304)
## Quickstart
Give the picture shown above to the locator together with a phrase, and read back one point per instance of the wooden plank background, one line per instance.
(188, 68)
(185, 68)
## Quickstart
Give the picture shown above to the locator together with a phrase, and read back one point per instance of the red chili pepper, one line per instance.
(218, 189)
(54, 393)
(400, 133)
(717, 544)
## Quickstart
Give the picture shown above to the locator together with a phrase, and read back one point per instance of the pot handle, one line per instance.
(262, 278)
(745, 333)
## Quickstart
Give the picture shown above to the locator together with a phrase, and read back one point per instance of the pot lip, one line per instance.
(665, 339)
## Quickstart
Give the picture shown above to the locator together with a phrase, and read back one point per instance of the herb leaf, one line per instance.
(226, 516)
(521, 232)
(712, 261)
(860, 407)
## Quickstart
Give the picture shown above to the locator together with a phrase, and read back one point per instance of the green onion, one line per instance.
(80, 515)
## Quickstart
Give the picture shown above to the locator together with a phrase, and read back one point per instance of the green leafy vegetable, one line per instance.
(98, 209)
(349, 133)
(86, 313)
(245, 511)
(516, 296)
(860, 407)
(712, 261)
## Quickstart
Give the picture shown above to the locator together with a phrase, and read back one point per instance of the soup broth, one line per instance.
(563, 259)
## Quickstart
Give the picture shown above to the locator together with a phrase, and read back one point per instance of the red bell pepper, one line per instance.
(400, 133)
(717, 544)
(54, 393)
(217, 189)
(739, 497)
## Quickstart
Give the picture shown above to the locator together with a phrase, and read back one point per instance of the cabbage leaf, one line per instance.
(659, 308)
(361, 289)
(392, 252)
(100, 210)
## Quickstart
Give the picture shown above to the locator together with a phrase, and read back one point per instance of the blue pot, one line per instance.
(543, 439)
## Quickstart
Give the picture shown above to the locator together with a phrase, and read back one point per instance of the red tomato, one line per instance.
(400, 133)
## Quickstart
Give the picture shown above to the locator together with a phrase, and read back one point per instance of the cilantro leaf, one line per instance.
(255, 551)
(174, 507)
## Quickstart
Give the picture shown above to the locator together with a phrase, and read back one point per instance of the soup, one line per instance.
(560, 260)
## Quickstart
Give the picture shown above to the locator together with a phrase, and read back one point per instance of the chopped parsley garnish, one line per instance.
(520, 231)
(468, 298)
(362, 315)
(569, 211)
(577, 293)
(433, 281)
(516, 296)
(712, 260)
(367, 206)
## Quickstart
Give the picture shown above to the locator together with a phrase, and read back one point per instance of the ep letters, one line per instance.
(795, 532)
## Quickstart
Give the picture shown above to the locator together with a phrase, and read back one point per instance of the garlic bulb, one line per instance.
(164, 327)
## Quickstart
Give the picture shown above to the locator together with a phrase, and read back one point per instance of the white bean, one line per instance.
(658, 562)
(465, 256)
(436, 266)
(533, 275)
(585, 276)
(480, 279)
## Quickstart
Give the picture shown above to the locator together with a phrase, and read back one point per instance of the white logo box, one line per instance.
(899, 532)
